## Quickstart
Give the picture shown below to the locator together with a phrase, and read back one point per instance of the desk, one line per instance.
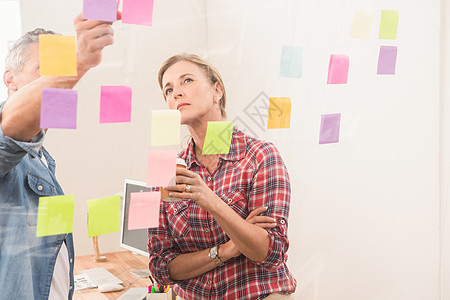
(119, 264)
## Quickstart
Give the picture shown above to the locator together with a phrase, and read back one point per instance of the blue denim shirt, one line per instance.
(27, 261)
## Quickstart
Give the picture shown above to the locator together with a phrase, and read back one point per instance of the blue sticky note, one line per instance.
(291, 64)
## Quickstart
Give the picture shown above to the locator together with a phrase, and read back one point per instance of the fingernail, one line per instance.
(274, 224)
(275, 220)
(170, 194)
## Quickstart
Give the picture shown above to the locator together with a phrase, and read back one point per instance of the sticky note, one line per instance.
(115, 104)
(165, 128)
(57, 55)
(329, 128)
(388, 25)
(104, 215)
(144, 210)
(138, 12)
(102, 10)
(59, 108)
(387, 60)
(279, 113)
(338, 69)
(161, 168)
(291, 64)
(218, 137)
(362, 23)
(55, 215)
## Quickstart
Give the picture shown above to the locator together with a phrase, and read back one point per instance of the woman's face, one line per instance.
(188, 90)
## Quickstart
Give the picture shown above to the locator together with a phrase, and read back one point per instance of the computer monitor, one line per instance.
(133, 240)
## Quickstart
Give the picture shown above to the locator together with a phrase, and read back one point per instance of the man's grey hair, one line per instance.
(18, 54)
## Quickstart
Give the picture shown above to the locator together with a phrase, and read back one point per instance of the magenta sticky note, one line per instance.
(138, 12)
(329, 128)
(115, 104)
(387, 60)
(59, 108)
(144, 210)
(102, 10)
(338, 69)
(161, 168)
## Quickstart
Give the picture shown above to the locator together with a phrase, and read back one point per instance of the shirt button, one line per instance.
(229, 200)
(207, 230)
(209, 178)
(282, 222)
(40, 187)
(175, 210)
(209, 282)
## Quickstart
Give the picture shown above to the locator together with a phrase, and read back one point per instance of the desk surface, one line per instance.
(119, 264)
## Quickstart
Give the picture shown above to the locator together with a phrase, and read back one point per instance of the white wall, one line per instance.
(365, 212)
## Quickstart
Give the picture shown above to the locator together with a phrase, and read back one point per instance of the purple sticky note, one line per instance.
(144, 210)
(329, 128)
(115, 104)
(161, 168)
(102, 10)
(387, 60)
(59, 108)
(338, 69)
(138, 12)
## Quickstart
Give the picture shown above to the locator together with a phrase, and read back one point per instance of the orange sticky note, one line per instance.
(57, 55)
(279, 113)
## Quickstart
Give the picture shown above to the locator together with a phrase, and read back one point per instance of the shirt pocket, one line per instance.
(237, 201)
(178, 218)
(39, 187)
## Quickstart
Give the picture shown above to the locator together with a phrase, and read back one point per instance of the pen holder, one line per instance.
(170, 295)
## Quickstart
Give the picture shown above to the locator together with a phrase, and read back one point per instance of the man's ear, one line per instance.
(8, 79)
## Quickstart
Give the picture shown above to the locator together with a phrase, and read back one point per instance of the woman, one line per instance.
(214, 244)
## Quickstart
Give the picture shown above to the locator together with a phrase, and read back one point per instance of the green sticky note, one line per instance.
(388, 25)
(218, 137)
(55, 215)
(165, 127)
(104, 215)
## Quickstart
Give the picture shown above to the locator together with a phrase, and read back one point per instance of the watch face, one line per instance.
(213, 252)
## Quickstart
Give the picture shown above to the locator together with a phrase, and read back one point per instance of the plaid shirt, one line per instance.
(250, 176)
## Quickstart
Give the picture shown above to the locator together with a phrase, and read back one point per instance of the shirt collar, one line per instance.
(237, 149)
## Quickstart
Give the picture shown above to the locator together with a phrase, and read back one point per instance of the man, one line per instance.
(35, 267)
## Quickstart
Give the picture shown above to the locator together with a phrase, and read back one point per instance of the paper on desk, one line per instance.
(82, 282)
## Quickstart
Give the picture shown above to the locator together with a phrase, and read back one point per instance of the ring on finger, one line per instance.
(188, 188)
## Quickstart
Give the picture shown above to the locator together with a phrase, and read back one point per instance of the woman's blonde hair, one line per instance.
(209, 70)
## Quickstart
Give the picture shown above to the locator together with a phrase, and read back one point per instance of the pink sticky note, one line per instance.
(161, 168)
(138, 12)
(387, 60)
(102, 10)
(144, 210)
(115, 104)
(329, 128)
(338, 69)
(59, 108)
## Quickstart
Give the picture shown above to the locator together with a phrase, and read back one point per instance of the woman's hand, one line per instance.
(191, 186)
(229, 249)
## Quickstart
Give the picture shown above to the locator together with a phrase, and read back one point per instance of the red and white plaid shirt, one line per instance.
(250, 176)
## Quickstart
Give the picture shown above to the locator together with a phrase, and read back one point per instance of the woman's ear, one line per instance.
(218, 92)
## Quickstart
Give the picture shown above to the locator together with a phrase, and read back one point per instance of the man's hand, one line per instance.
(92, 37)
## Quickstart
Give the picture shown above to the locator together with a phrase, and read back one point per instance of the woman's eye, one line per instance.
(187, 80)
(168, 91)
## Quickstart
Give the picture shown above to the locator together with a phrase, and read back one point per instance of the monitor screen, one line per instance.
(133, 240)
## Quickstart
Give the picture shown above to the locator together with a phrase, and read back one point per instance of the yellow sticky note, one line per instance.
(218, 138)
(104, 215)
(165, 127)
(362, 23)
(279, 113)
(57, 55)
(55, 215)
(388, 25)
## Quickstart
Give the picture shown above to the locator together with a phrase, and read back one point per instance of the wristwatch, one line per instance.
(213, 255)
